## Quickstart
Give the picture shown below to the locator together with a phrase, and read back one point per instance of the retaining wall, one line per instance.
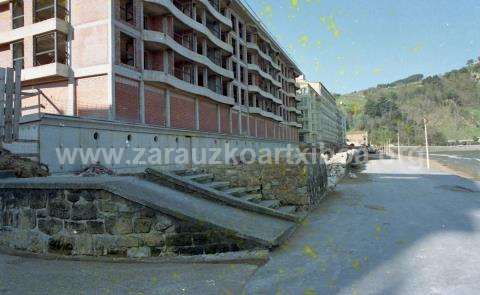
(95, 222)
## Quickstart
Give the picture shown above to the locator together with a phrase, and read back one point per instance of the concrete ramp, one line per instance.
(264, 229)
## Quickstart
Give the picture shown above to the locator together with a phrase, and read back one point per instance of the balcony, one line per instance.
(157, 40)
(265, 75)
(47, 9)
(184, 13)
(265, 113)
(177, 80)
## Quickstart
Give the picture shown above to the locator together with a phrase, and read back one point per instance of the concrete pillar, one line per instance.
(142, 101)
(204, 47)
(167, 108)
(166, 62)
(195, 74)
(197, 113)
(205, 77)
(219, 124)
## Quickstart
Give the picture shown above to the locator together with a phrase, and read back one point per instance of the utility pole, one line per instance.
(398, 144)
(426, 142)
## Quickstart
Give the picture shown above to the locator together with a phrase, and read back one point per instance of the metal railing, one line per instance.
(184, 75)
(184, 40)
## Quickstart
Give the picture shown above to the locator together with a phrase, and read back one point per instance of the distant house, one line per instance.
(358, 138)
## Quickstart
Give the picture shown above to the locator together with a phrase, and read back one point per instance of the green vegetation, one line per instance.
(450, 103)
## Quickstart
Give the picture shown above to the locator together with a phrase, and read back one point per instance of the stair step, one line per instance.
(219, 184)
(200, 177)
(251, 197)
(236, 191)
(288, 209)
(7, 174)
(270, 204)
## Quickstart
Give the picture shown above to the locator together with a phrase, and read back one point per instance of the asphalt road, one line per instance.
(397, 229)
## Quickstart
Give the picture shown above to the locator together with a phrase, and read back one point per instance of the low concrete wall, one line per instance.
(302, 185)
(59, 133)
(95, 222)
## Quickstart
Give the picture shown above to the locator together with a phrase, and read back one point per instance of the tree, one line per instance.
(470, 62)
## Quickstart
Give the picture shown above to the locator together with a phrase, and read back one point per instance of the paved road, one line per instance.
(20, 275)
(398, 229)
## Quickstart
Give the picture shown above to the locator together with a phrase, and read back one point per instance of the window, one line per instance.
(17, 14)
(47, 9)
(127, 50)
(50, 48)
(18, 53)
(240, 30)
(127, 11)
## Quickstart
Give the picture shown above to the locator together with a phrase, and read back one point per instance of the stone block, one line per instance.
(38, 200)
(106, 205)
(154, 240)
(184, 239)
(42, 213)
(163, 223)
(59, 209)
(83, 245)
(84, 211)
(120, 225)
(128, 241)
(75, 228)
(142, 225)
(50, 226)
(140, 252)
(95, 227)
(27, 219)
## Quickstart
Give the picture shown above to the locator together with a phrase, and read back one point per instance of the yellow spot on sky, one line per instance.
(310, 251)
(294, 3)
(377, 71)
(318, 43)
(267, 10)
(417, 48)
(332, 26)
(303, 40)
(309, 292)
(356, 264)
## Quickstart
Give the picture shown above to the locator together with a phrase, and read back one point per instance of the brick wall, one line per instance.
(260, 128)
(5, 56)
(270, 131)
(96, 53)
(224, 119)
(208, 116)
(155, 106)
(244, 124)
(92, 94)
(55, 99)
(235, 127)
(182, 112)
(127, 100)
(253, 126)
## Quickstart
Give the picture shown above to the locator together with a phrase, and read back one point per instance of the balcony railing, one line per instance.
(184, 40)
(184, 75)
(51, 11)
(186, 8)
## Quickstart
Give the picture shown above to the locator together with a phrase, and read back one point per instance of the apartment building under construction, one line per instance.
(147, 73)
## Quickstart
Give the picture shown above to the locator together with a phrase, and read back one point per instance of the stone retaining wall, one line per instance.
(302, 185)
(95, 222)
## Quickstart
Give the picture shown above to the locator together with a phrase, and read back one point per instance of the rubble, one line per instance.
(95, 170)
(23, 167)
(337, 167)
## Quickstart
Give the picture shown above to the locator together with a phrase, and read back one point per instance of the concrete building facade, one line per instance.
(204, 68)
(323, 124)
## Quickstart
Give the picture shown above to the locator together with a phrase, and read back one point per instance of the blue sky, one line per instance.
(355, 44)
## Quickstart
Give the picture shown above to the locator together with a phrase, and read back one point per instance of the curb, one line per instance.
(254, 257)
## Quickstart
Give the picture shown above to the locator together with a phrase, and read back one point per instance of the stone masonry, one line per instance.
(302, 185)
(95, 222)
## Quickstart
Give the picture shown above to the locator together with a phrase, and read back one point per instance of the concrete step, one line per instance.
(219, 184)
(157, 175)
(288, 209)
(266, 230)
(7, 174)
(270, 204)
(251, 197)
(237, 191)
(200, 177)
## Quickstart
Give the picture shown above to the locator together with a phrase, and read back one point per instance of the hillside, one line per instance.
(450, 103)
